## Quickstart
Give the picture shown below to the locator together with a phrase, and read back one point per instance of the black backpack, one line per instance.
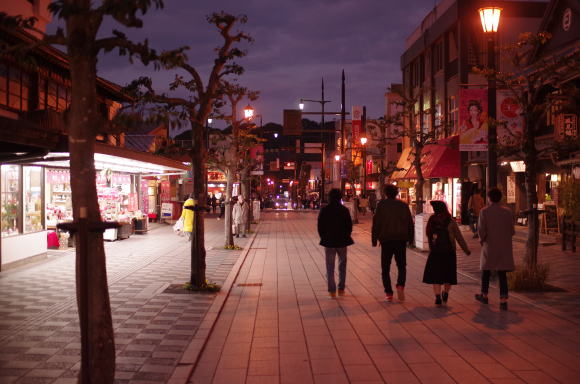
(441, 242)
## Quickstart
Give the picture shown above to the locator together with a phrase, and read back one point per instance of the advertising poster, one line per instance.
(357, 111)
(511, 123)
(473, 120)
(257, 156)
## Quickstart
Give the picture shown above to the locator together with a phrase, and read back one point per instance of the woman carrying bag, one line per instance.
(441, 267)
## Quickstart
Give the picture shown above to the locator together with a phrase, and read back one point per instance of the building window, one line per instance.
(452, 116)
(14, 88)
(32, 188)
(438, 56)
(52, 95)
(10, 199)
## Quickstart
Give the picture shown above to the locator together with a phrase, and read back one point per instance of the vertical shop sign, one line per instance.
(511, 189)
(473, 120)
(567, 126)
(165, 187)
(132, 202)
(257, 156)
(510, 120)
(357, 112)
(145, 196)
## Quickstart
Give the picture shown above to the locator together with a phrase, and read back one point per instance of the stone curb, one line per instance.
(190, 358)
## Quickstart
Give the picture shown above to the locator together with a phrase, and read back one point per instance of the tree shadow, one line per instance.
(500, 320)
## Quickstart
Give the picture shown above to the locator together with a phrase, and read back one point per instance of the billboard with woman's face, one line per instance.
(473, 120)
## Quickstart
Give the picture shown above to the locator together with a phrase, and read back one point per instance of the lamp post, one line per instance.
(363, 141)
(490, 22)
(322, 102)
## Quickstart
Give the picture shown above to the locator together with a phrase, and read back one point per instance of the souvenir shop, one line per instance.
(36, 197)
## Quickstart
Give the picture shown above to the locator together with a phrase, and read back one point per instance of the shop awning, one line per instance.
(404, 164)
(439, 160)
(122, 160)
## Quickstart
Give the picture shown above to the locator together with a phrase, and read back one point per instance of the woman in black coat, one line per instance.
(335, 228)
(441, 267)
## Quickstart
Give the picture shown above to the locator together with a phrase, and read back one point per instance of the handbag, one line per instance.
(178, 226)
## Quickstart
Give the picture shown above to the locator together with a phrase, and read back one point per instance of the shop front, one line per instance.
(36, 197)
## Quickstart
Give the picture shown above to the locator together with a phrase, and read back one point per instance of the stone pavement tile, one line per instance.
(430, 372)
(535, 377)
(494, 371)
(327, 366)
(322, 351)
(231, 361)
(362, 372)
(230, 376)
(262, 379)
(264, 353)
(331, 378)
(263, 368)
(400, 377)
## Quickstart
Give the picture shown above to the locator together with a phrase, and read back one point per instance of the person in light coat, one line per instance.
(240, 215)
(496, 229)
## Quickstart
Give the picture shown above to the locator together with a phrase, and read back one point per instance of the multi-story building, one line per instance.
(438, 72)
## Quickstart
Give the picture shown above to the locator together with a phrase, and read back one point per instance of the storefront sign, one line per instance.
(167, 210)
(357, 112)
(132, 202)
(567, 126)
(518, 166)
(473, 120)
(257, 156)
(511, 189)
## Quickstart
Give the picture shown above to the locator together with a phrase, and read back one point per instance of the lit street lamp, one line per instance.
(363, 141)
(490, 17)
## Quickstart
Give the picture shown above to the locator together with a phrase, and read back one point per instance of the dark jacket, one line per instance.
(392, 222)
(335, 226)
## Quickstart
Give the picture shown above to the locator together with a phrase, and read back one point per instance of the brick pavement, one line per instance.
(39, 331)
(279, 326)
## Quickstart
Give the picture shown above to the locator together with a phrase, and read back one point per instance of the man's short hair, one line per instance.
(391, 191)
(334, 194)
(495, 195)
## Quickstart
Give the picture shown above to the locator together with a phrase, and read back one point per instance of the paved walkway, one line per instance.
(39, 329)
(279, 326)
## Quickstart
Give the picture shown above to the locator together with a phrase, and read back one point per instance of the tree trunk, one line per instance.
(97, 338)
(197, 278)
(530, 159)
(229, 240)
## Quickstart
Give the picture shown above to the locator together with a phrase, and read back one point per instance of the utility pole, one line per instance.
(342, 131)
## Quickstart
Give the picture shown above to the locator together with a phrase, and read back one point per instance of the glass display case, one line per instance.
(10, 200)
(32, 188)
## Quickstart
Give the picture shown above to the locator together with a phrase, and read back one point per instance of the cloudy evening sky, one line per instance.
(297, 42)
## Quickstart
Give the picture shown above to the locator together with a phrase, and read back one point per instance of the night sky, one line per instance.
(297, 42)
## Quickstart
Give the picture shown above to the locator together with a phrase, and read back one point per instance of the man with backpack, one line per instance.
(393, 228)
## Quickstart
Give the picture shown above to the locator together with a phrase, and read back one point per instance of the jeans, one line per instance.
(473, 223)
(398, 249)
(503, 286)
(330, 257)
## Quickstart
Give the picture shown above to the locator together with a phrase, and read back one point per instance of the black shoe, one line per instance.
(482, 299)
(437, 299)
(445, 297)
(503, 306)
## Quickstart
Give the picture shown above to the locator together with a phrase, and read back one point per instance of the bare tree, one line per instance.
(539, 87)
(203, 98)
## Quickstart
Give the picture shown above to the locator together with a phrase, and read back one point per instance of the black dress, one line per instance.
(441, 267)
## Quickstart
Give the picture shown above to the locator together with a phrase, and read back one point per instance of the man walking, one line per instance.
(496, 228)
(335, 228)
(393, 227)
(475, 205)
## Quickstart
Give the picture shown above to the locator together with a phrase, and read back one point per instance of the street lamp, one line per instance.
(249, 112)
(337, 157)
(490, 17)
(322, 102)
(363, 141)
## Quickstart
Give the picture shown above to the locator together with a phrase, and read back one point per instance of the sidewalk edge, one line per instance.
(190, 357)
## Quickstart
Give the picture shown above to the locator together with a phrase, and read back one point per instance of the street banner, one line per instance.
(567, 126)
(257, 156)
(473, 120)
(510, 120)
(357, 112)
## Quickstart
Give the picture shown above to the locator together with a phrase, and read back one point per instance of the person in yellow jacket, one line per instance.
(187, 214)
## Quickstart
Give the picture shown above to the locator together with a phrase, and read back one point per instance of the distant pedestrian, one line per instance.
(222, 204)
(441, 267)
(240, 213)
(496, 228)
(474, 206)
(213, 203)
(187, 213)
(373, 202)
(335, 228)
(363, 204)
(393, 228)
